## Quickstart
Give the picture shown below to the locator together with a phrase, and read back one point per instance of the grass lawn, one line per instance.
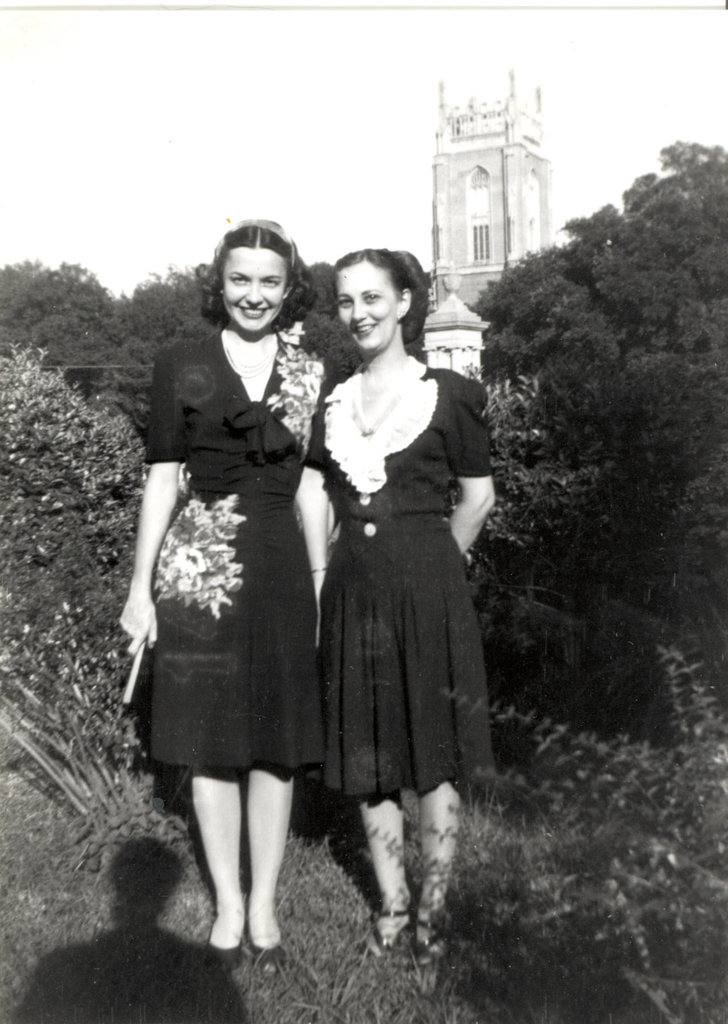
(125, 944)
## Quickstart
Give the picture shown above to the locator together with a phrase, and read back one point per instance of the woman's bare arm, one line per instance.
(477, 498)
(160, 495)
(315, 508)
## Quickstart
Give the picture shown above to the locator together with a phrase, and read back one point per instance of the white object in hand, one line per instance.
(133, 673)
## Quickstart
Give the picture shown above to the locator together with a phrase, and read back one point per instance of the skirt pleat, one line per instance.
(405, 692)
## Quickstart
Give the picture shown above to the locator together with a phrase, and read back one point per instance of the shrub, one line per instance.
(605, 541)
(628, 890)
(69, 488)
(527, 574)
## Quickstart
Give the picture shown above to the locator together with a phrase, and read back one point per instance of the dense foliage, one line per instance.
(70, 478)
(65, 311)
(608, 365)
(616, 881)
(69, 483)
(613, 892)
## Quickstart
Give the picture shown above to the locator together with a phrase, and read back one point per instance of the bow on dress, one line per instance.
(265, 435)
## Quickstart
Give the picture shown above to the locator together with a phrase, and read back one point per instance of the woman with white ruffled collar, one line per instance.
(404, 679)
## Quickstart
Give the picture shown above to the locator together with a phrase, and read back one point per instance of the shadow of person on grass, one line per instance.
(137, 972)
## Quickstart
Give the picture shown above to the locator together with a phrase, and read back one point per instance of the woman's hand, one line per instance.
(318, 576)
(139, 620)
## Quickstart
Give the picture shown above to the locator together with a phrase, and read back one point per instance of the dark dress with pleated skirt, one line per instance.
(405, 695)
(234, 674)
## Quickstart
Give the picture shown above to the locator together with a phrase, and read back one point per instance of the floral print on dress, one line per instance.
(197, 564)
(301, 375)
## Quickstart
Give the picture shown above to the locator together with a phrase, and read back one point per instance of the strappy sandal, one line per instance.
(429, 943)
(382, 944)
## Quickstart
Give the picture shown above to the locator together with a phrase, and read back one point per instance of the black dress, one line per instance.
(406, 702)
(234, 679)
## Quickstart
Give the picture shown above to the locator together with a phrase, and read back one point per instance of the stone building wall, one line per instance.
(491, 189)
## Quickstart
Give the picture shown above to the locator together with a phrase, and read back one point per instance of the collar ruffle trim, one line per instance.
(360, 457)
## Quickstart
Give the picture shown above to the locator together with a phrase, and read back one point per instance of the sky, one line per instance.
(132, 138)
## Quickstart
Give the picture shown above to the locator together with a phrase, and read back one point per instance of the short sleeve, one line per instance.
(467, 440)
(166, 432)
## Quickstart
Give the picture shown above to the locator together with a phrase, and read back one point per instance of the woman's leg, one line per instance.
(269, 813)
(439, 822)
(218, 810)
(384, 826)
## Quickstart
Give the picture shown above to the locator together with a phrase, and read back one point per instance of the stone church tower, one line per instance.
(491, 190)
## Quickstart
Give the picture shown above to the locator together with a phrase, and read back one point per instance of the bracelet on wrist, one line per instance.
(314, 571)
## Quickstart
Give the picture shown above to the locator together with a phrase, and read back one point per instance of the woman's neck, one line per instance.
(247, 347)
(385, 366)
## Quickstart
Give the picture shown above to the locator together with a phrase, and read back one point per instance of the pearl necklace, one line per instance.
(249, 370)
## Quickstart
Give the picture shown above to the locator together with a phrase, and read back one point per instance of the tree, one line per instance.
(324, 284)
(655, 274)
(160, 312)
(64, 311)
(623, 335)
(660, 275)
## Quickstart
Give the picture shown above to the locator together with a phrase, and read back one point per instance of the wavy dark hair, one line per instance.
(259, 234)
(405, 272)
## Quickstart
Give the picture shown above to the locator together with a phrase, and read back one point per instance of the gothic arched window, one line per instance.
(478, 207)
(479, 178)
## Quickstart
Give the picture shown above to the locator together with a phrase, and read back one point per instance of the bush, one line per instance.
(69, 484)
(528, 567)
(606, 540)
(628, 890)
(69, 490)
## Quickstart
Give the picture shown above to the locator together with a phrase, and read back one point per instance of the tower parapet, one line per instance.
(491, 188)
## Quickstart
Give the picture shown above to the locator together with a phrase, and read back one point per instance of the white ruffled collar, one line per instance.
(361, 457)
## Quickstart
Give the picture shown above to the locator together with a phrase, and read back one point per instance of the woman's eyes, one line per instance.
(369, 297)
(268, 282)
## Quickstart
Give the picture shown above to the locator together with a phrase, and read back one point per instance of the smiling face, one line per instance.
(254, 286)
(371, 307)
